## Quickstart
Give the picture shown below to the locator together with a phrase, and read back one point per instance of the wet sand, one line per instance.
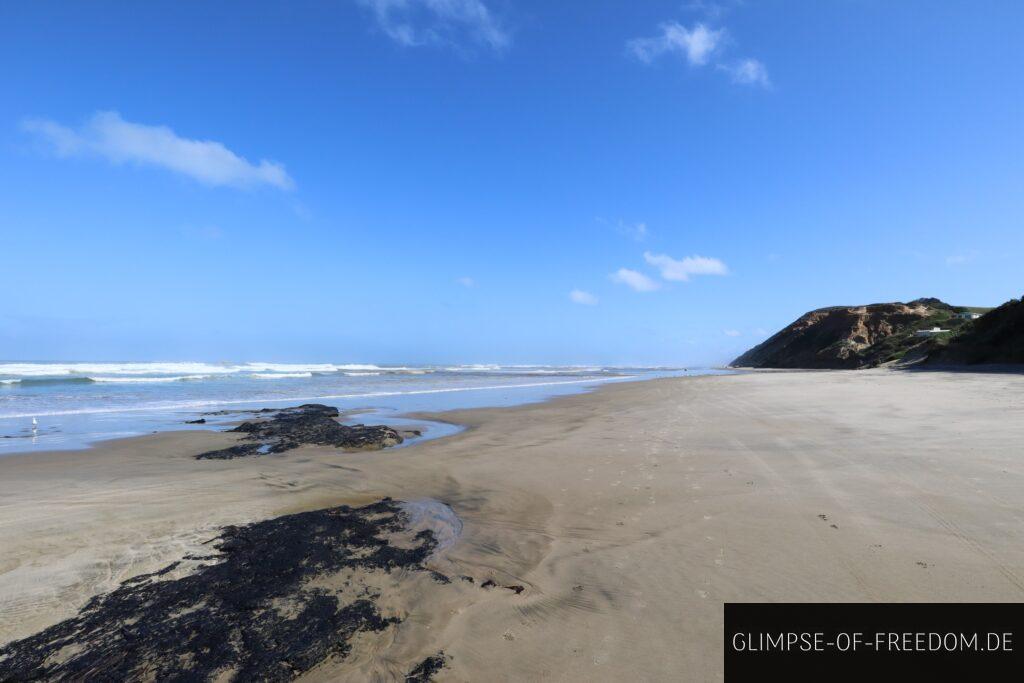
(629, 515)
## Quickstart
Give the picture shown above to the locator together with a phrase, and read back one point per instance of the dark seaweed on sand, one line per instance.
(425, 670)
(253, 614)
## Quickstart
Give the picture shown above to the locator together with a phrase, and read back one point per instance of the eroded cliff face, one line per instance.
(847, 336)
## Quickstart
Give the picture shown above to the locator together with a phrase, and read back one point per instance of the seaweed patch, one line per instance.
(272, 603)
(425, 670)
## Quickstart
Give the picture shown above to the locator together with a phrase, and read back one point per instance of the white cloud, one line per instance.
(466, 282)
(695, 44)
(680, 270)
(698, 45)
(109, 136)
(438, 22)
(578, 296)
(637, 281)
(761, 332)
(748, 72)
(732, 333)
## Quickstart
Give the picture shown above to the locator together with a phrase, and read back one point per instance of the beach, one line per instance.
(628, 515)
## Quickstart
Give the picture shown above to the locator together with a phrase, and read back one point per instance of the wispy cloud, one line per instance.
(710, 9)
(438, 22)
(637, 231)
(466, 282)
(578, 296)
(637, 281)
(109, 136)
(696, 44)
(732, 333)
(748, 72)
(680, 270)
(961, 258)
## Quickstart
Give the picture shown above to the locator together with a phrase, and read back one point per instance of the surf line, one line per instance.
(376, 394)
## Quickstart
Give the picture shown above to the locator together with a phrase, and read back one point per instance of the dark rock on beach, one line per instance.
(310, 424)
(200, 421)
(278, 601)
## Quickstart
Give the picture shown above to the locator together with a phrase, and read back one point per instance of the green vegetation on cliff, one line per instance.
(867, 336)
(995, 338)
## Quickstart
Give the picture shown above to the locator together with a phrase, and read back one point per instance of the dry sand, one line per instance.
(630, 514)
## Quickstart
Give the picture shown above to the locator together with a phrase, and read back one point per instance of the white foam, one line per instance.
(144, 380)
(280, 375)
(192, 405)
(525, 369)
(286, 368)
(174, 368)
(107, 369)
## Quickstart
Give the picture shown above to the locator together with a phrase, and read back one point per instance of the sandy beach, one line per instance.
(629, 514)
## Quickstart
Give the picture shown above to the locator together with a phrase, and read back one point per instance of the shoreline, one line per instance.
(628, 515)
(80, 428)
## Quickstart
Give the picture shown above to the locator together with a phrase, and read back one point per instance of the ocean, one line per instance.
(69, 405)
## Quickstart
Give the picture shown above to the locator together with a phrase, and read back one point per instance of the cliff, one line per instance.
(855, 336)
(995, 338)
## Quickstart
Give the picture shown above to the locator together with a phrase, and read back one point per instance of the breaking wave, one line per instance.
(204, 404)
(144, 380)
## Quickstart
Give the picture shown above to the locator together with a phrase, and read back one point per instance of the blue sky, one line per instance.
(496, 181)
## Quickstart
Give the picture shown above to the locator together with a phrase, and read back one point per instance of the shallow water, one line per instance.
(76, 404)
